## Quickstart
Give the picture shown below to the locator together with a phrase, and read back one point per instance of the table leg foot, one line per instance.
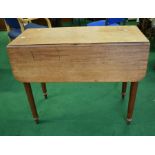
(43, 85)
(123, 95)
(36, 120)
(128, 120)
(124, 86)
(45, 95)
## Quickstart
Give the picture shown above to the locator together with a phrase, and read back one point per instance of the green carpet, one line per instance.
(74, 108)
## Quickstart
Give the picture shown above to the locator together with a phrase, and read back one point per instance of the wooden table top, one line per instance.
(80, 54)
(80, 35)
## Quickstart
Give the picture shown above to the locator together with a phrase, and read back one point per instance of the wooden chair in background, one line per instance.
(15, 26)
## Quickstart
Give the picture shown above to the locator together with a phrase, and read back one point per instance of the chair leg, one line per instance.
(133, 92)
(124, 86)
(43, 85)
(31, 101)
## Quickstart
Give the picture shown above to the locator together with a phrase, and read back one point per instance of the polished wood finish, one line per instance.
(31, 101)
(132, 98)
(124, 86)
(43, 85)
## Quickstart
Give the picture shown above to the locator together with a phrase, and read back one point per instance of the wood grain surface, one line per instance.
(80, 54)
(80, 35)
(108, 62)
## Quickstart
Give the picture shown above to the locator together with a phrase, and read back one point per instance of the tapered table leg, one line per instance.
(43, 85)
(31, 101)
(133, 92)
(124, 86)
